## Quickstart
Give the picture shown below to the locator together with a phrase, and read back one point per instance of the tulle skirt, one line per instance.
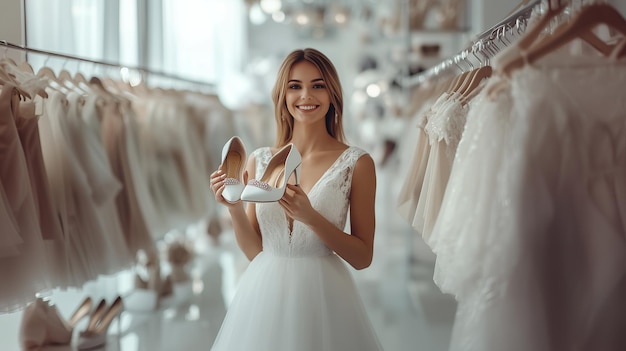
(296, 303)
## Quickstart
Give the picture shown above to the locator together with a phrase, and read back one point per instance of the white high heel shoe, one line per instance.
(271, 186)
(233, 164)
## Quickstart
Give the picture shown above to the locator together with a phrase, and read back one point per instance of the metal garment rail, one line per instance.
(144, 71)
(444, 66)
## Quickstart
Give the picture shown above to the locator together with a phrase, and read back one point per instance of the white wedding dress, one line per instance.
(297, 294)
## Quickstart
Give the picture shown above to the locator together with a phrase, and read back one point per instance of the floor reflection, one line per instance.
(407, 310)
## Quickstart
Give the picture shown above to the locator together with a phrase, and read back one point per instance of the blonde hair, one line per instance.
(284, 120)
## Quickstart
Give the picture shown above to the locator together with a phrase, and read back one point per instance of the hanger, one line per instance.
(457, 82)
(533, 33)
(81, 82)
(580, 27)
(97, 83)
(12, 77)
(65, 76)
(98, 86)
(26, 67)
(620, 49)
(6, 57)
(8, 79)
(478, 76)
(53, 82)
(45, 71)
(74, 84)
(79, 79)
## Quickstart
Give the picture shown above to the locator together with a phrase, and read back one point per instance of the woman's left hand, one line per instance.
(297, 205)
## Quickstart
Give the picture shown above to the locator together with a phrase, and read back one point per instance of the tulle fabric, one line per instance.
(459, 237)
(26, 271)
(101, 228)
(544, 264)
(162, 163)
(303, 303)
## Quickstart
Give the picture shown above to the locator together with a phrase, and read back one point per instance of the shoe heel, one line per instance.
(233, 164)
(96, 333)
(270, 187)
(296, 173)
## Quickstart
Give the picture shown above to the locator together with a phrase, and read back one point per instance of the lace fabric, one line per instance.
(330, 196)
(534, 216)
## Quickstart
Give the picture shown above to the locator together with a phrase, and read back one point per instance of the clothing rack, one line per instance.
(143, 71)
(482, 40)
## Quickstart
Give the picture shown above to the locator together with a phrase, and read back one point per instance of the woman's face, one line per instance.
(307, 97)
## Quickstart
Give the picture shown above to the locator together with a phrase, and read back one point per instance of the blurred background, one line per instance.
(230, 50)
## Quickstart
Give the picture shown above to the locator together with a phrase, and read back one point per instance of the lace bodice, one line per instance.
(330, 196)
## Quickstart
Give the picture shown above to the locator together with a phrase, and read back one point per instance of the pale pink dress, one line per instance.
(26, 272)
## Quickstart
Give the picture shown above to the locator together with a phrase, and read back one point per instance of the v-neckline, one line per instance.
(291, 223)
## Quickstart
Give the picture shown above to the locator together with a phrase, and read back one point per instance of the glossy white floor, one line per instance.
(408, 313)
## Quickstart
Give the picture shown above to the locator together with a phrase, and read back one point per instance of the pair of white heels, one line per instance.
(271, 186)
(42, 324)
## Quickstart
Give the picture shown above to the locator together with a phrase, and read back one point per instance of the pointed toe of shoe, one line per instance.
(255, 194)
(87, 341)
(232, 193)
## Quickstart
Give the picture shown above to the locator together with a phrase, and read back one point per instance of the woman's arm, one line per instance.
(356, 248)
(243, 216)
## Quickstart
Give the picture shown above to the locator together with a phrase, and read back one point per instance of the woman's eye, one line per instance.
(319, 86)
(294, 86)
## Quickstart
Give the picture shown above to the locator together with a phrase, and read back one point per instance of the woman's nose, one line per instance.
(305, 95)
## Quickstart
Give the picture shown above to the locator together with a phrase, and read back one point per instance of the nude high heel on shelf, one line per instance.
(95, 334)
(43, 325)
(33, 326)
(233, 164)
(271, 186)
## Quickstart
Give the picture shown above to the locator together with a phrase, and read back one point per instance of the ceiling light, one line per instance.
(271, 6)
(373, 90)
(302, 19)
(278, 16)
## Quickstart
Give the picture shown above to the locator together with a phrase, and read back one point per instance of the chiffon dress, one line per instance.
(26, 268)
(412, 187)
(297, 294)
(444, 129)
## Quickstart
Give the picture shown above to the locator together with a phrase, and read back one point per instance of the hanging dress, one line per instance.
(24, 273)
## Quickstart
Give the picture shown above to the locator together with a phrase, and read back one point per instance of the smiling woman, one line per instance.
(322, 77)
(307, 98)
(297, 292)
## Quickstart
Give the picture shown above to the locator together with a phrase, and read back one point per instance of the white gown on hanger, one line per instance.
(444, 129)
(552, 275)
(297, 294)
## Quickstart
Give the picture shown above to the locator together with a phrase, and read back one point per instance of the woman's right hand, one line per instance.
(217, 186)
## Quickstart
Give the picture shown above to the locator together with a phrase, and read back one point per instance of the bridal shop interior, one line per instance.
(497, 128)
